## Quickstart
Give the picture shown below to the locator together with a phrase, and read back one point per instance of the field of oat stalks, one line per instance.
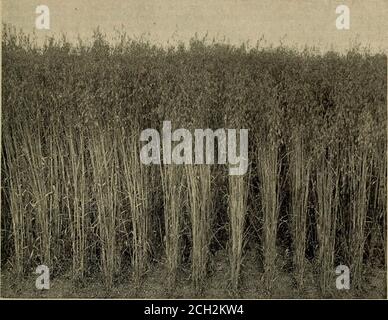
(76, 197)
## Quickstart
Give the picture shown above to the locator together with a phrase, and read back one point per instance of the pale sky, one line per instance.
(294, 22)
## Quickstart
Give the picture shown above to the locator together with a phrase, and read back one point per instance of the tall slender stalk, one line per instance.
(359, 164)
(238, 195)
(74, 172)
(14, 177)
(33, 148)
(300, 167)
(103, 156)
(173, 198)
(137, 188)
(269, 174)
(327, 187)
(200, 203)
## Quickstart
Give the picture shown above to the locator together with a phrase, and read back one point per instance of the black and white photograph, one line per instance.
(192, 149)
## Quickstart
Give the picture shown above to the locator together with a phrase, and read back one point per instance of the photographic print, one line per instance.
(189, 149)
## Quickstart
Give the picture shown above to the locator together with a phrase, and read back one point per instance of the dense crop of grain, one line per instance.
(76, 197)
